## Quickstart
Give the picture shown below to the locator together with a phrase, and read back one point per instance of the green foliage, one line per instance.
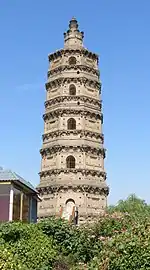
(129, 250)
(119, 240)
(29, 246)
(8, 260)
(70, 240)
(132, 205)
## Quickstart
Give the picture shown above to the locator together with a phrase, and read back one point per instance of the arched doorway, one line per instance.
(70, 211)
(70, 204)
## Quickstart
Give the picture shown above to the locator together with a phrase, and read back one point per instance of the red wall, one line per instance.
(4, 201)
(4, 208)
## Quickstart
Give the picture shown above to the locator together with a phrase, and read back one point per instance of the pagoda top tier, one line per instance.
(73, 38)
(73, 43)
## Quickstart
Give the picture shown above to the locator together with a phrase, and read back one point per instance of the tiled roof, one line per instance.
(8, 175)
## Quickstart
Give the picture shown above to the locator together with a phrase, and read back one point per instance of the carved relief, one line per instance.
(48, 162)
(93, 124)
(82, 80)
(53, 124)
(84, 172)
(81, 188)
(93, 160)
(61, 69)
(55, 63)
(65, 148)
(63, 112)
(70, 52)
(82, 133)
(61, 99)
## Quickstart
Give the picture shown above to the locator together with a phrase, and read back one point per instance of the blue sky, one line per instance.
(119, 32)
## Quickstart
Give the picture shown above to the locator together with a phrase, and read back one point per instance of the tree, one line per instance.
(132, 205)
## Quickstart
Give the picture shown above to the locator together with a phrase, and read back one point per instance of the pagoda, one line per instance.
(72, 177)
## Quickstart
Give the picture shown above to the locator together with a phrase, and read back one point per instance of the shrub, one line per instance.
(29, 244)
(119, 240)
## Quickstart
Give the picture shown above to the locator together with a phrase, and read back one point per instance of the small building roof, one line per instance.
(8, 175)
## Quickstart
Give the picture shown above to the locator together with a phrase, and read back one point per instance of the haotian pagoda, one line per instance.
(72, 177)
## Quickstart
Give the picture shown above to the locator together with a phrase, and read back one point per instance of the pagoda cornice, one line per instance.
(84, 172)
(85, 99)
(82, 51)
(82, 133)
(62, 112)
(63, 68)
(97, 190)
(48, 150)
(82, 80)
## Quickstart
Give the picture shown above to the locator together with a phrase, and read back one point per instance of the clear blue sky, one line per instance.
(119, 31)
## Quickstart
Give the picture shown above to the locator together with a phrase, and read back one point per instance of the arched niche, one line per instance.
(70, 162)
(71, 124)
(72, 90)
(72, 61)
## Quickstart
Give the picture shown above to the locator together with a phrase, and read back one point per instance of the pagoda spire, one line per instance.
(73, 38)
(73, 24)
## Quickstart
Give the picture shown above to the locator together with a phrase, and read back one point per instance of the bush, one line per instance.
(129, 250)
(28, 245)
(119, 240)
(8, 261)
(78, 243)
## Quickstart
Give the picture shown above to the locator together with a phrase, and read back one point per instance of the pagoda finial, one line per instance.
(73, 37)
(73, 23)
